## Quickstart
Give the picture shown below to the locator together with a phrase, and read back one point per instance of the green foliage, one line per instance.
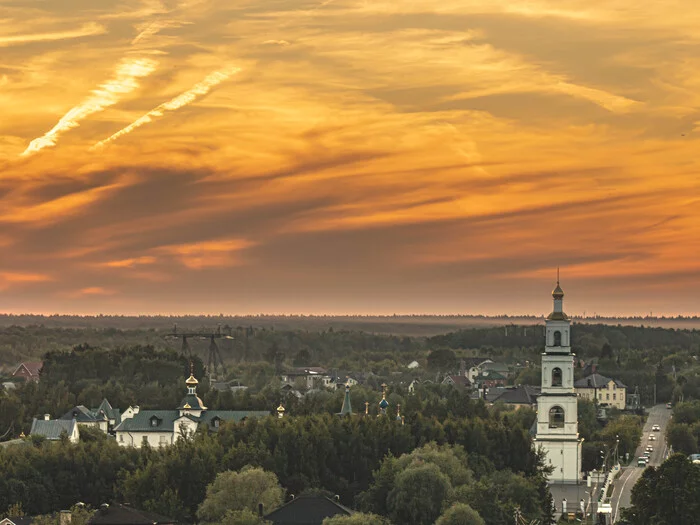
(242, 517)
(667, 495)
(442, 359)
(419, 494)
(358, 518)
(683, 432)
(239, 491)
(460, 514)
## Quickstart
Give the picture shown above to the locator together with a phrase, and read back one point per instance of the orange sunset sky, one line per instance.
(349, 156)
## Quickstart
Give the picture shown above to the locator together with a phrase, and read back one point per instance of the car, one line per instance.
(650, 449)
(669, 405)
(656, 428)
(652, 437)
(642, 461)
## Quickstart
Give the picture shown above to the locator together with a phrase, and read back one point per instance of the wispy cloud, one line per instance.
(88, 29)
(125, 80)
(208, 254)
(189, 96)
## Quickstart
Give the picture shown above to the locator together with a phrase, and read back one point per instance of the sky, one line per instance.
(349, 156)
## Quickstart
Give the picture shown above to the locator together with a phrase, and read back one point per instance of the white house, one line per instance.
(54, 429)
(159, 428)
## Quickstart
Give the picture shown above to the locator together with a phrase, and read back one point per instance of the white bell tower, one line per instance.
(557, 412)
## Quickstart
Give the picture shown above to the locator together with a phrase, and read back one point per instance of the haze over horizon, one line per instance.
(345, 156)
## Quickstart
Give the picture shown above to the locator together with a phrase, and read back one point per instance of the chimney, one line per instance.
(65, 517)
(47, 417)
(260, 510)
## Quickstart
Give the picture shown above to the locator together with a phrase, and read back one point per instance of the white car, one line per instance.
(656, 428)
(652, 437)
(650, 449)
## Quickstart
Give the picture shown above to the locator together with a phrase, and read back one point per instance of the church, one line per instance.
(557, 410)
(158, 428)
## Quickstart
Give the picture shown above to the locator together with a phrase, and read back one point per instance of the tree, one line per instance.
(666, 495)
(419, 495)
(460, 514)
(359, 518)
(442, 359)
(238, 491)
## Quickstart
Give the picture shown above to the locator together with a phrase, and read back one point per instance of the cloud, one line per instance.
(282, 43)
(88, 29)
(125, 80)
(208, 254)
(183, 99)
(130, 263)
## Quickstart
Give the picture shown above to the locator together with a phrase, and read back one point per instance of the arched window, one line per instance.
(556, 417)
(557, 338)
(556, 377)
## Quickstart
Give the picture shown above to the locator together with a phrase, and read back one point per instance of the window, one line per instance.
(614, 386)
(215, 422)
(556, 417)
(607, 397)
(163, 440)
(600, 396)
(144, 440)
(121, 438)
(557, 338)
(556, 377)
(614, 397)
(154, 422)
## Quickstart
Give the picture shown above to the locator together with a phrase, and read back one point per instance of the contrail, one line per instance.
(199, 89)
(108, 94)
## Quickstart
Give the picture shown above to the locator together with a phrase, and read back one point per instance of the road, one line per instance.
(658, 415)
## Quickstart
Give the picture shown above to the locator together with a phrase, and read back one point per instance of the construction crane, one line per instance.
(214, 360)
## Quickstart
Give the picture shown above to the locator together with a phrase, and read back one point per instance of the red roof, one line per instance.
(32, 366)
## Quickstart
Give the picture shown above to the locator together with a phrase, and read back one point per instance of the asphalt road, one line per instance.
(658, 415)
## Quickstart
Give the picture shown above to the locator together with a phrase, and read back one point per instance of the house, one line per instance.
(28, 370)
(472, 366)
(53, 429)
(125, 515)
(24, 520)
(104, 417)
(412, 365)
(489, 378)
(307, 510)
(158, 428)
(456, 381)
(228, 386)
(309, 377)
(501, 368)
(517, 396)
(605, 391)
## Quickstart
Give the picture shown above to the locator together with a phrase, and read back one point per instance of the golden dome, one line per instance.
(186, 405)
(280, 408)
(558, 293)
(191, 380)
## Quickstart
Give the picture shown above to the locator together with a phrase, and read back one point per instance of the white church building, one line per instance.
(557, 411)
(158, 428)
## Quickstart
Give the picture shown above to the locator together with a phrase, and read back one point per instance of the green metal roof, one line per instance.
(53, 428)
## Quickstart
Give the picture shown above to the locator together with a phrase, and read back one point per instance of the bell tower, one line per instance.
(557, 411)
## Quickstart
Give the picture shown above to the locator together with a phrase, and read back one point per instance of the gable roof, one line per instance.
(83, 415)
(124, 515)
(53, 428)
(597, 381)
(307, 510)
(33, 367)
(520, 395)
(490, 375)
(24, 520)
(111, 412)
(141, 422)
(457, 380)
